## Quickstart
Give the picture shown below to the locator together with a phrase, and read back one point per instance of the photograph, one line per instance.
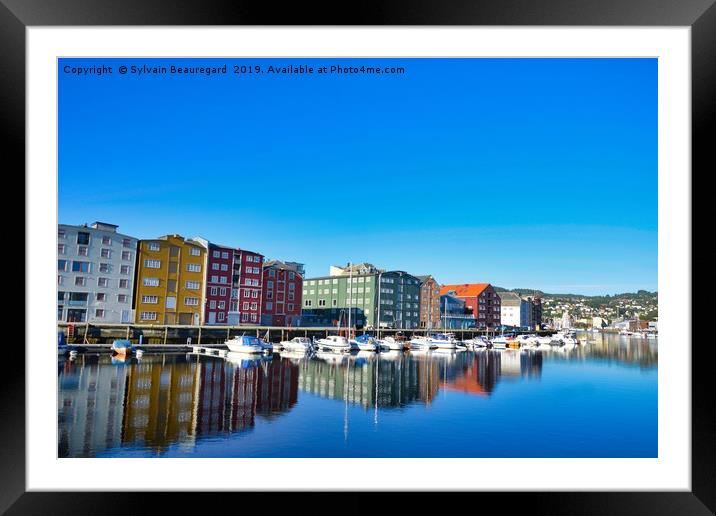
(357, 257)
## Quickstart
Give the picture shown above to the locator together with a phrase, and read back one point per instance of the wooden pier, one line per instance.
(184, 336)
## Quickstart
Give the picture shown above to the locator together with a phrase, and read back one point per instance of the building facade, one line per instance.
(95, 274)
(454, 314)
(515, 310)
(429, 302)
(375, 297)
(480, 299)
(282, 293)
(233, 284)
(169, 281)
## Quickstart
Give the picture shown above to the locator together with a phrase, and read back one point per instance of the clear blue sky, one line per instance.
(535, 173)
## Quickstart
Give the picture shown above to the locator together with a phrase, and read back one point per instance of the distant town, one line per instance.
(106, 277)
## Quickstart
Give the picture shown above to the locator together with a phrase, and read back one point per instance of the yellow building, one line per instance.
(169, 288)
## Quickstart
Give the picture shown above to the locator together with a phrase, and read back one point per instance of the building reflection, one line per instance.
(372, 380)
(165, 399)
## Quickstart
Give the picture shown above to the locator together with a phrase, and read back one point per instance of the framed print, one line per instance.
(414, 249)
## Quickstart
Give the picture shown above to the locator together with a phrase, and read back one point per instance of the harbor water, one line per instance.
(596, 400)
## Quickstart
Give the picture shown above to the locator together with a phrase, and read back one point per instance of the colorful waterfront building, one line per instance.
(95, 273)
(375, 297)
(429, 302)
(282, 293)
(169, 281)
(481, 299)
(233, 285)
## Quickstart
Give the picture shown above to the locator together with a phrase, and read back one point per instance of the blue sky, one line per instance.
(533, 173)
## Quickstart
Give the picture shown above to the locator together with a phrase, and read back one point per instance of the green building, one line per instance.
(326, 299)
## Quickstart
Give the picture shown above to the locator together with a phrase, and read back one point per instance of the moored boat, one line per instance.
(248, 345)
(334, 343)
(297, 344)
(122, 347)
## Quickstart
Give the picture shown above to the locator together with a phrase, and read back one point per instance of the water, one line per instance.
(598, 400)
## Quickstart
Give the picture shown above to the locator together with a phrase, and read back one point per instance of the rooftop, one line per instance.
(465, 289)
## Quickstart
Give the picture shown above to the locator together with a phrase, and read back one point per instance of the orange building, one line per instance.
(169, 287)
(481, 299)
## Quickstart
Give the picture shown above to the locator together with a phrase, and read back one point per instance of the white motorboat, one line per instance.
(394, 344)
(248, 345)
(334, 343)
(422, 342)
(444, 340)
(476, 342)
(364, 343)
(297, 344)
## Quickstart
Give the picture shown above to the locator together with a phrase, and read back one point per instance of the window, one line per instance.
(80, 281)
(253, 317)
(151, 282)
(307, 302)
(224, 267)
(272, 273)
(99, 313)
(121, 298)
(269, 294)
(215, 266)
(291, 275)
(216, 254)
(191, 301)
(103, 267)
(83, 238)
(153, 264)
(222, 291)
(193, 267)
(61, 233)
(82, 251)
(212, 304)
(321, 302)
(292, 286)
(80, 266)
(124, 269)
(150, 300)
(154, 246)
(245, 306)
(126, 242)
(148, 316)
(62, 265)
(255, 294)
(269, 284)
(290, 307)
(195, 251)
(222, 305)
(123, 283)
(126, 256)
(213, 291)
(192, 285)
(105, 253)
(106, 240)
(214, 279)
(61, 248)
(103, 282)
(244, 317)
(101, 296)
(225, 255)
(290, 296)
(269, 306)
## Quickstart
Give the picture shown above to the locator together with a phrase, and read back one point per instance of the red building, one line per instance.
(481, 299)
(282, 293)
(233, 285)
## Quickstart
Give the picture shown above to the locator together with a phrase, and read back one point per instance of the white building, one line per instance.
(515, 311)
(95, 273)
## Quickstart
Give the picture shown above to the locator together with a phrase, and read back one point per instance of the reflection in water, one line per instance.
(177, 399)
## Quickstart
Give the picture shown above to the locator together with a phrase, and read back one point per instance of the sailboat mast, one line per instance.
(350, 297)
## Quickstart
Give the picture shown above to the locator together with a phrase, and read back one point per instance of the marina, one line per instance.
(597, 398)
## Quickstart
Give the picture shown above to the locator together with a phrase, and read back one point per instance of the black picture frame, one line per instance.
(700, 15)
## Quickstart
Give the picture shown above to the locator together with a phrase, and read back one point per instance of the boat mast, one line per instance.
(350, 297)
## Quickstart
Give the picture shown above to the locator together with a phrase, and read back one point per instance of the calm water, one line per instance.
(598, 400)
